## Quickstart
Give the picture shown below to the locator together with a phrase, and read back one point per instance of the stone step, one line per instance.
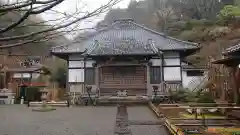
(55, 104)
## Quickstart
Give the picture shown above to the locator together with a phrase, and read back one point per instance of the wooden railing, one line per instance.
(170, 85)
(173, 85)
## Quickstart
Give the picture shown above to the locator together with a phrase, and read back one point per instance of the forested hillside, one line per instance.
(212, 23)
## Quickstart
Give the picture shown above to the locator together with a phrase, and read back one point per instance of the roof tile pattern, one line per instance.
(232, 49)
(125, 46)
(127, 37)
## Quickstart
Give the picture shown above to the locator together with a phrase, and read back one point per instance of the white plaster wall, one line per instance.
(156, 62)
(172, 73)
(76, 64)
(77, 75)
(188, 79)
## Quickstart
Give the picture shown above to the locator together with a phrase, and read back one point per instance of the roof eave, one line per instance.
(104, 55)
(64, 55)
(229, 61)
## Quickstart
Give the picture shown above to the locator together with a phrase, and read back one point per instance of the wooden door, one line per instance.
(130, 78)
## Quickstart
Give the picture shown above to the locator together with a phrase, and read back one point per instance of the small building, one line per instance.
(27, 76)
(193, 76)
(126, 56)
(231, 60)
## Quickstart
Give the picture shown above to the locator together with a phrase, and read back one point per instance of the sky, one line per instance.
(69, 7)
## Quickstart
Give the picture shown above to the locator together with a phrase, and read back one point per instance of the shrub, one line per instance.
(196, 23)
(193, 35)
(228, 13)
(219, 31)
(185, 95)
(60, 76)
(206, 97)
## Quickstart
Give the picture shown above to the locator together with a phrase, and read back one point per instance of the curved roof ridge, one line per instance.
(153, 47)
(163, 35)
(93, 46)
(231, 49)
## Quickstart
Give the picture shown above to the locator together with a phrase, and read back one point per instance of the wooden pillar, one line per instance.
(5, 73)
(149, 88)
(235, 85)
(181, 72)
(97, 79)
(67, 78)
(84, 68)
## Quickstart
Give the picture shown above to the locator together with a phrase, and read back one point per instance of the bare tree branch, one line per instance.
(88, 15)
(48, 7)
(29, 11)
(24, 17)
(10, 7)
(42, 23)
(45, 36)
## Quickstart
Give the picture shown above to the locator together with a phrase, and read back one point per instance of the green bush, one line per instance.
(228, 13)
(189, 35)
(198, 23)
(60, 76)
(206, 97)
(185, 95)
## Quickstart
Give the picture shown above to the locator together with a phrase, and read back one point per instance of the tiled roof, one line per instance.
(122, 46)
(232, 49)
(126, 37)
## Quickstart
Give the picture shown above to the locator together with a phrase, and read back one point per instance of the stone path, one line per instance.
(20, 120)
(144, 114)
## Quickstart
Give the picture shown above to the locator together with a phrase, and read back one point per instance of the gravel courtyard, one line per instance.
(20, 120)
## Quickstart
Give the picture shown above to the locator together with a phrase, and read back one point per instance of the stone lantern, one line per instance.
(89, 89)
(44, 107)
(44, 97)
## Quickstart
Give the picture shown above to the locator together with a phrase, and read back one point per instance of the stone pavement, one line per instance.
(20, 120)
(145, 114)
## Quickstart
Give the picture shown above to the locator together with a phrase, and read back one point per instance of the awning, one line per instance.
(228, 60)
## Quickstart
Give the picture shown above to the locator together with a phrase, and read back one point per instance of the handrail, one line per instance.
(166, 85)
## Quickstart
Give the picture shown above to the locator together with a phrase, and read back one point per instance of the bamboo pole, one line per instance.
(192, 119)
(194, 124)
(196, 104)
(188, 107)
